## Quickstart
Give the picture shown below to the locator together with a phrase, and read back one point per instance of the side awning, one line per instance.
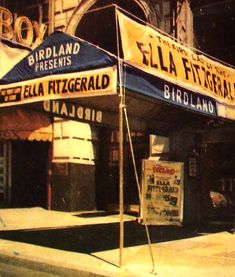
(23, 124)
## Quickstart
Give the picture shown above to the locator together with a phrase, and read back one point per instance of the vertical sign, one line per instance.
(162, 193)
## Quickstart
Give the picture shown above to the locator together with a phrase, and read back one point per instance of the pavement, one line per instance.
(38, 218)
(203, 255)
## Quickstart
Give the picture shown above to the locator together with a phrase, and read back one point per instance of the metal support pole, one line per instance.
(120, 152)
(121, 235)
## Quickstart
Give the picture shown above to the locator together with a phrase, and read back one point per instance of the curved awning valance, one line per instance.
(23, 124)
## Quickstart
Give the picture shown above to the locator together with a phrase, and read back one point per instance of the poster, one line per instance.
(162, 193)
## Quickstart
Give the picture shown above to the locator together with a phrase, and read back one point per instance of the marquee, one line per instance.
(154, 66)
(62, 67)
(175, 73)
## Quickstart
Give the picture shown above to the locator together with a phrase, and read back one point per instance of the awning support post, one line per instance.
(120, 152)
(121, 235)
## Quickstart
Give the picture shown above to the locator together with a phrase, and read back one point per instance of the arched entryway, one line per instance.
(139, 8)
(97, 23)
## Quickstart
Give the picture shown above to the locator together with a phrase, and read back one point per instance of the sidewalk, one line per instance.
(39, 218)
(206, 255)
(210, 255)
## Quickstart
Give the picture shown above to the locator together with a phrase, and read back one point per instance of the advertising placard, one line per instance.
(162, 193)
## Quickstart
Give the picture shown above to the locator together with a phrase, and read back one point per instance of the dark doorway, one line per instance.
(107, 171)
(218, 181)
(29, 173)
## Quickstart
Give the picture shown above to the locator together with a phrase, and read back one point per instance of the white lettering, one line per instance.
(199, 105)
(30, 60)
(53, 57)
(187, 99)
(204, 105)
(178, 96)
(167, 92)
(211, 107)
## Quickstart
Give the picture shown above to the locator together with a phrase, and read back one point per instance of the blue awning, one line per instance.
(59, 53)
(153, 87)
(62, 67)
(68, 68)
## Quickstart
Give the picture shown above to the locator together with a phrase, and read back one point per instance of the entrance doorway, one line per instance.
(107, 177)
(218, 181)
(29, 173)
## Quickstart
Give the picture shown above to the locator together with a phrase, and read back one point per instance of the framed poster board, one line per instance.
(162, 193)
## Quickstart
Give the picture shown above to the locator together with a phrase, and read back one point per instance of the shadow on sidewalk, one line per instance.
(101, 237)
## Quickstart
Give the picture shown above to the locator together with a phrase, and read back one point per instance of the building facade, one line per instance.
(75, 166)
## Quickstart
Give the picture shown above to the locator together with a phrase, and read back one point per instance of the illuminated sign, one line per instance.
(22, 29)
